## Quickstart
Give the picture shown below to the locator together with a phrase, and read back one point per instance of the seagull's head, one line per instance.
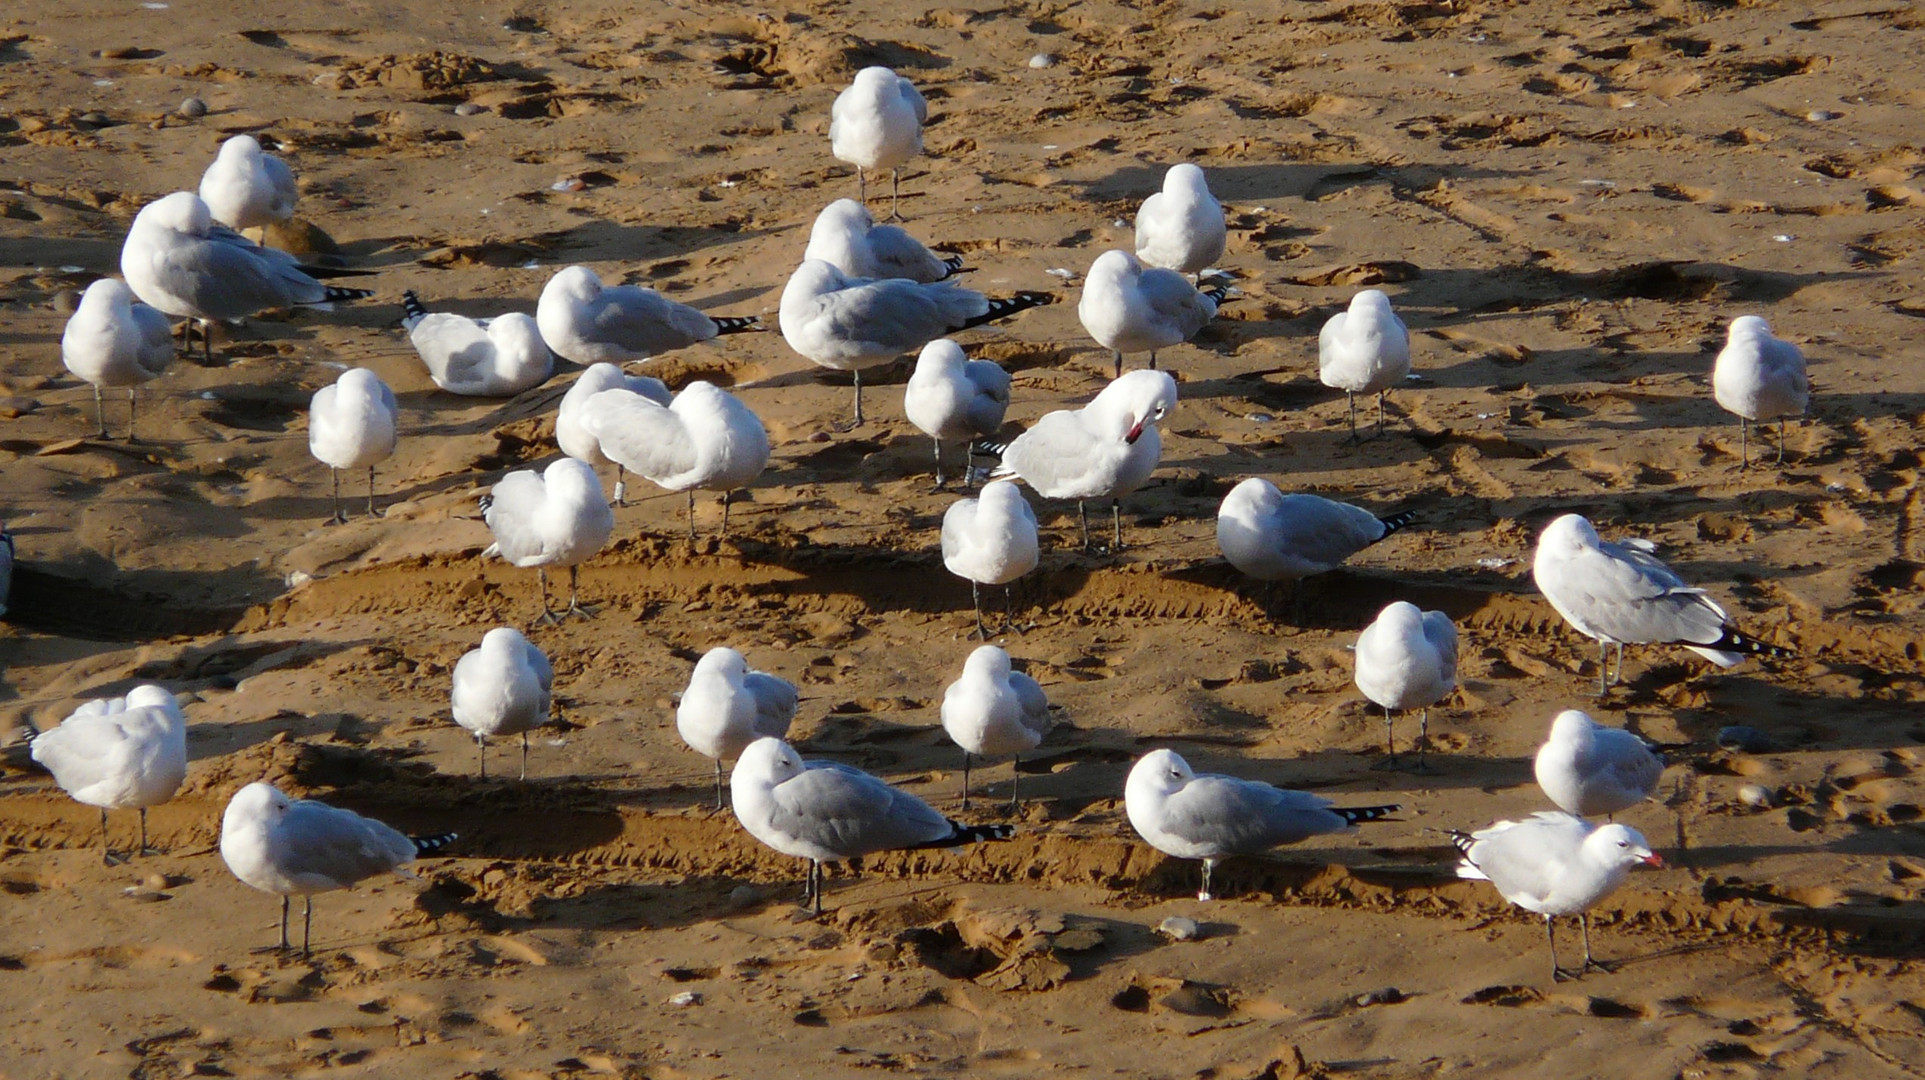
(1567, 537)
(941, 354)
(1572, 725)
(182, 212)
(240, 148)
(1621, 845)
(767, 761)
(1185, 178)
(1749, 327)
(107, 294)
(1371, 300)
(875, 79)
(1110, 268)
(722, 662)
(1158, 774)
(815, 277)
(841, 217)
(988, 661)
(146, 694)
(574, 283)
(1146, 397)
(568, 475)
(503, 639)
(1402, 616)
(259, 801)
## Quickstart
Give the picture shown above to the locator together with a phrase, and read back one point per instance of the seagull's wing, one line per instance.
(640, 435)
(849, 812)
(318, 844)
(517, 500)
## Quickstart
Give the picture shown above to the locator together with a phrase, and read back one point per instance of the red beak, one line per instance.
(1136, 432)
(1653, 859)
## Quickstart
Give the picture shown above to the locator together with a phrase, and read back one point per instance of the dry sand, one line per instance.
(1566, 205)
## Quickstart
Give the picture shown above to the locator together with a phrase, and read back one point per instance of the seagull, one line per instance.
(118, 754)
(824, 811)
(1212, 817)
(1107, 448)
(990, 540)
(705, 438)
(845, 235)
(115, 340)
(848, 323)
(587, 322)
(503, 687)
(1555, 864)
(245, 188)
(1181, 227)
(727, 706)
(950, 396)
(1127, 308)
(299, 846)
(877, 124)
(1407, 659)
(556, 517)
(573, 436)
(1276, 537)
(498, 357)
(1760, 378)
(1364, 350)
(181, 263)
(351, 423)
(1623, 594)
(992, 710)
(1588, 769)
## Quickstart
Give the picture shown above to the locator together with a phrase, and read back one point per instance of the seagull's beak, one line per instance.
(1136, 432)
(1654, 859)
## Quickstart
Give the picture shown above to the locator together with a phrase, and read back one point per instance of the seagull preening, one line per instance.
(1588, 769)
(1622, 594)
(1276, 537)
(705, 438)
(990, 540)
(727, 705)
(498, 357)
(247, 188)
(1364, 350)
(1106, 449)
(179, 262)
(993, 710)
(556, 517)
(845, 235)
(876, 123)
(502, 687)
(118, 754)
(1212, 817)
(1759, 378)
(952, 397)
(115, 340)
(1554, 864)
(351, 424)
(302, 847)
(1407, 659)
(849, 324)
(1181, 227)
(1130, 309)
(588, 322)
(571, 431)
(824, 811)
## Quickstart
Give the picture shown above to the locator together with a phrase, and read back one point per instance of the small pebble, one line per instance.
(193, 108)
(686, 998)
(1042, 60)
(1745, 738)
(1178, 928)
(469, 108)
(1756, 796)
(65, 302)
(568, 183)
(743, 895)
(1819, 116)
(1389, 995)
(94, 119)
(298, 578)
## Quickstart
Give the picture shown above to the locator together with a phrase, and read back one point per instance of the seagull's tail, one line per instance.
(1001, 307)
(1355, 814)
(337, 293)
(1217, 293)
(1397, 521)
(1463, 842)
(1732, 647)
(736, 324)
(411, 310)
(428, 845)
(971, 834)
(954, 264)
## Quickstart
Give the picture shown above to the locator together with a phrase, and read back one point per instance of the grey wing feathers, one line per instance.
(851, 813)
(341, 846)
(914, 97)
(1631, 764)
(896, 254)
(639, 435)
(1644, 600)
(515, 500)
(1034, 702)
(1175, 300)
(285, 191)
(646, 320)
(538, 660)
(1442, 635)
(229, 281)
(1244, 817)
(775, 701)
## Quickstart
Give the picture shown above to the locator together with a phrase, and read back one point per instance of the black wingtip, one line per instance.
(1462, 841)
(972, 834)
(1397, 521)
(1733, 641)
(336, 293)
(1001, 307)
(954, 263)
(411, 305)
(1218, 293)
(1355, 814)
(983, 448)
(736, 324)
(428, 845)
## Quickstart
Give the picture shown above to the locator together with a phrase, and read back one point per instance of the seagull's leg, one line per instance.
(1617, 674)
(371, 512)
(691, 518)
(1603, 667)
(1380, 412)
(1116, 525)
(1390, 741)
(1744, 448)
(481, 753)
(541, 579)
(1009, 610)
(1584, 920)
(621, 488)
(895, 194)
(1557, 973)
(1781, 433)
(340, 515)
(1117, 355)
(207, 343)
(1423, 736)
(815, 889)
(100, 412)
(106, 849)
(307, 924)
(131, 408)
(143, 849)
(965, 801)
(938, 443)
(1204, 893)
(1014, 776)
(524, 757)
(1082, 512)
(726, 497)
(862, 188)
(1352, 398)
(284, 906)
(976, 597)
(1152, 359)
(575, 606)
(718, 783)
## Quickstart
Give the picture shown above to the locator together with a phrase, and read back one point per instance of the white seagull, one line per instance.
(876, 123)
(498, 357)
(824, 811)
(1213, 817)
(1105, 449)
(119, 754)
(1622, 594)
(572, 434)
(1364, 350)
(1555, 864)
(845, 235)
(1129, 309)
(992, 711)
(726, 706)
(1588, 769)
(1760, 378)
(556, 517)
(1407, 659)
(588, 322)
(990, 540)
(1276, 537)
(351, 424)
(178, 261)
(115, 340)
(705, 438)
(503, 687)
(848, 324)
(246, 188)
(1181, 227)
(950, 396)
(302, 847)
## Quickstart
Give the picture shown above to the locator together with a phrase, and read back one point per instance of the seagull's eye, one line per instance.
(1624, 843)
